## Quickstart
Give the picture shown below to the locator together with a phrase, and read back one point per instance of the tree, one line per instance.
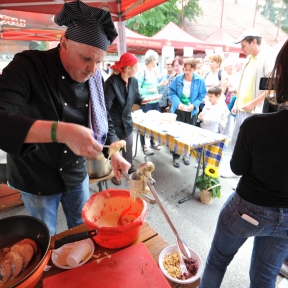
(275, 11)
(153, 20)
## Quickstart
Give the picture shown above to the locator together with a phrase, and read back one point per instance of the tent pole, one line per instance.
(121, 43)
(222, 13)
(256, 8)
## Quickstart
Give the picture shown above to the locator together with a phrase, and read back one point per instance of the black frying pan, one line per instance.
(16, 228)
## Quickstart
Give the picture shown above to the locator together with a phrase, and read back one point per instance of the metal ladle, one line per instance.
(145, 169)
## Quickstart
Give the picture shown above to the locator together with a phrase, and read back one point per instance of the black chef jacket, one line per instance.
(119, 100)
(35, 86)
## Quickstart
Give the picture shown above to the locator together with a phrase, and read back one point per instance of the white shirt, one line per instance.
(212, 80)
(186, 88)
(215, 115)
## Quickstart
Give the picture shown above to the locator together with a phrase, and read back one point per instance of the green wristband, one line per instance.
(53, 131)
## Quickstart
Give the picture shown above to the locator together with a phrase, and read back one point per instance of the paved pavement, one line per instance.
(194, 221)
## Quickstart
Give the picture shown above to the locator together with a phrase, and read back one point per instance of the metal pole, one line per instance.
(280, 19)
(182, 14)
(222, 13)
(256, 9)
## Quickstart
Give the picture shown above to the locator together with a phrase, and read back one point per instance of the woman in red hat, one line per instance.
(121, 92)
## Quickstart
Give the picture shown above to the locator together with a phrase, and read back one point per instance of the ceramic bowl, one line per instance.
(173, 248)
(168, 117)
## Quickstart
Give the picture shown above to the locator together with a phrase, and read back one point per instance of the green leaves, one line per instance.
(276, 11)
(153, 20)
(204, 182)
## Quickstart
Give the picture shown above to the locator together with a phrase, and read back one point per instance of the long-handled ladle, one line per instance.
(145, 169)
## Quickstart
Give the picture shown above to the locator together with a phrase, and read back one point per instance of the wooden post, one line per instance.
(256, 9)
(279, 21)
(222, 13)
(182, 14)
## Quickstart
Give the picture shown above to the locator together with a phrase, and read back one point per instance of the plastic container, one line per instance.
(78, 253)
(168, 117)
(116, 217)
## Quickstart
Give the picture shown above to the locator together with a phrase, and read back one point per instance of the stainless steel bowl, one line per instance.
(98, 167)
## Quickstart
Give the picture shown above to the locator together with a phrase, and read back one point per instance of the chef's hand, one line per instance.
(118, 163)
(200, 116)
(79, 139)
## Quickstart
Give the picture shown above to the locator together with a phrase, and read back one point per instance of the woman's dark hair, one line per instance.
(180, 61)
(191, 62)
(279, 75)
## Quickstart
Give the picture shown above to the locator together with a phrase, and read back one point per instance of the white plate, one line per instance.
(173, 248)
(54, 257)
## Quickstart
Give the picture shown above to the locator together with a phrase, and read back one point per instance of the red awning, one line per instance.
(173, 35)
(137, 43)
(120, 10)
(19, 25)
(221, 38)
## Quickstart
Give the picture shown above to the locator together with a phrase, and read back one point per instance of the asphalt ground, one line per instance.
(194, 221)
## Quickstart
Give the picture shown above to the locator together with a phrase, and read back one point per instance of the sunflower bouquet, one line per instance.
(209, 181)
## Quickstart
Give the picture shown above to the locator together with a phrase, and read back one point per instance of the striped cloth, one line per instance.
(213, 154)
(185, 139)
(97, 110)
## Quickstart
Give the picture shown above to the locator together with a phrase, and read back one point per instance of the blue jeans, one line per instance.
(270, 246)
(45, 208)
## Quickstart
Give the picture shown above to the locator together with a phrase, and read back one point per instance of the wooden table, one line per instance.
(9, 197)
(184, 139)
(152, 240)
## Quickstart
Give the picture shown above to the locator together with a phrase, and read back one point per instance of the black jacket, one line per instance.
(35, 86)
(260, 157)
(119, 100)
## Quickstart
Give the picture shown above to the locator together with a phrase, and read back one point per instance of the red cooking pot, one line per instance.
(16, 228)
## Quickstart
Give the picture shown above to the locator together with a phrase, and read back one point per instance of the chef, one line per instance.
(53, 115)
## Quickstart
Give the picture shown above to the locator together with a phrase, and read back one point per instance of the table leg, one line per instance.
(136, 145)
(197, 173)
(147, 154)
(100, 186)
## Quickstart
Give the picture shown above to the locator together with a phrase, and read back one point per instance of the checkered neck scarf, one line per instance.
(97, 110)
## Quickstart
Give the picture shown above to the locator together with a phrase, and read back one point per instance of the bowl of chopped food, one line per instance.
(169, 263)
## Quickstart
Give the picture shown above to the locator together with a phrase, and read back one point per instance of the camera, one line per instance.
(264, 83)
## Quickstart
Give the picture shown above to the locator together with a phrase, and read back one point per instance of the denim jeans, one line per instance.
(45, 208)
(270, 247)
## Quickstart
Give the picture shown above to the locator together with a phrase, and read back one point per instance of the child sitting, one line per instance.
(215, 112)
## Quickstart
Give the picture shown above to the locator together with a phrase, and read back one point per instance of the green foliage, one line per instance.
(192, 9)
(204, 182)
(38, 45)
(272, 9)
(153, 20)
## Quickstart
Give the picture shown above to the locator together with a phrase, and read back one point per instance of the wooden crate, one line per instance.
(9, 197)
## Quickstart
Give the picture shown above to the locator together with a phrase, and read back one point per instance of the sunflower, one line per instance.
(211, 171)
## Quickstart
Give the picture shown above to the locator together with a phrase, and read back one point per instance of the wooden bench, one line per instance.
(9, 197)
